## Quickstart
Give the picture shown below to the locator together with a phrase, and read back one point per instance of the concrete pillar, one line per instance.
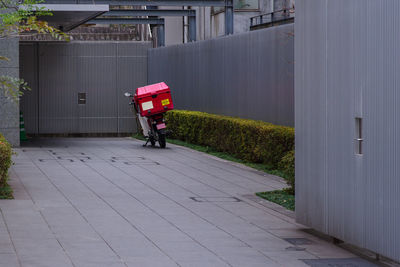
(192, 29)
(160, 35)
(9, 109)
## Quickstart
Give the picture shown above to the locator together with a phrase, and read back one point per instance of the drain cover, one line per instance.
(298, 241)
(215, 199)
(141, 163)
(295, 249)
(351, 262)
(45, 160)
(133, 161)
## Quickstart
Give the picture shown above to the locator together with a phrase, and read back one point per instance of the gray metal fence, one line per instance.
(60, 74)
(247, 75)
(347, 94)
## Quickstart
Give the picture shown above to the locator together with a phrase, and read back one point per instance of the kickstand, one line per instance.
(147, 141)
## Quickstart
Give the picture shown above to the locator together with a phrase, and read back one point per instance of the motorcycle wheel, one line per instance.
(162, 140)
(152, 141)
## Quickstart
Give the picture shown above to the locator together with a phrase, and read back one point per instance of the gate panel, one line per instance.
(131, 73)
(29, 101)
(97, 81)
(60, 74)
(58, 111)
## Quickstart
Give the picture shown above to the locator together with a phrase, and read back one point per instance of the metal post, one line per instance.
(192, 29)
(185, 27)
(161, 35)
(228, 17)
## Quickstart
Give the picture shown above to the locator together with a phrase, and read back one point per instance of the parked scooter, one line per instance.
(150, 103)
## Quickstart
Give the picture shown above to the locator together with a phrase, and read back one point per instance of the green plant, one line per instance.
(5, 164)
(286, 165)
(19, 18)
(249, 140)
(280, 197)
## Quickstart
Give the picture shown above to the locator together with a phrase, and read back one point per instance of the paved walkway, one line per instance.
(111, 202)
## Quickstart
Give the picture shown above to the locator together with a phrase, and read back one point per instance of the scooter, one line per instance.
(150, 104)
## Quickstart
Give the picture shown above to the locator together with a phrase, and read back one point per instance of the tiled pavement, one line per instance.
(111, 202)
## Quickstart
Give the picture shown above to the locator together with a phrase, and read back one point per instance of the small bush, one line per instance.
(280, 197)
(5, 161)
(254, 141)
(287, 167)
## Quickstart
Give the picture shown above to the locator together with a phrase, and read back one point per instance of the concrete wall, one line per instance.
(248, 75)
(9, 109)
(173, 28)
(102, 70)
(347, 67)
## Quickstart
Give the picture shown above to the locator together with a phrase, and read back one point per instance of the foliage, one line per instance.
(5, 164)
(18, 19)
(287, 167)
(249, 140)
(6, 192)
(280, 197)
(22, 18)
(12, 87)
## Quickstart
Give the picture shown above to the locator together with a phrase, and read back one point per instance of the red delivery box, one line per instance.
(153, 99)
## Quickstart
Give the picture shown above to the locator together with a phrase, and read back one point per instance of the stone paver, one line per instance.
(111, 202)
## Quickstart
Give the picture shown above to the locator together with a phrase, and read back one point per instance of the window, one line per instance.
(240, 5)
(246, 4)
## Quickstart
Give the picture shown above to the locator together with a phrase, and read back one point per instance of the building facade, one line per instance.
(210, 21)
(347, 121)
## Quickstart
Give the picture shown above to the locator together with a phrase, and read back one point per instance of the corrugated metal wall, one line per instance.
(347, 67)
(247, 75)
(57, 72)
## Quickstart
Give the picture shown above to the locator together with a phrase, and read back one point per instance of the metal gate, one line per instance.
(77, 87)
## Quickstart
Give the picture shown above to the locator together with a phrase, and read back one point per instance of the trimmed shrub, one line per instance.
(250, 140)
(287, 167)
(5, 160)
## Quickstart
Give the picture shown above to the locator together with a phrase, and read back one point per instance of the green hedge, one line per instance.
(287, 167)
(250, 140)
(5, 161)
